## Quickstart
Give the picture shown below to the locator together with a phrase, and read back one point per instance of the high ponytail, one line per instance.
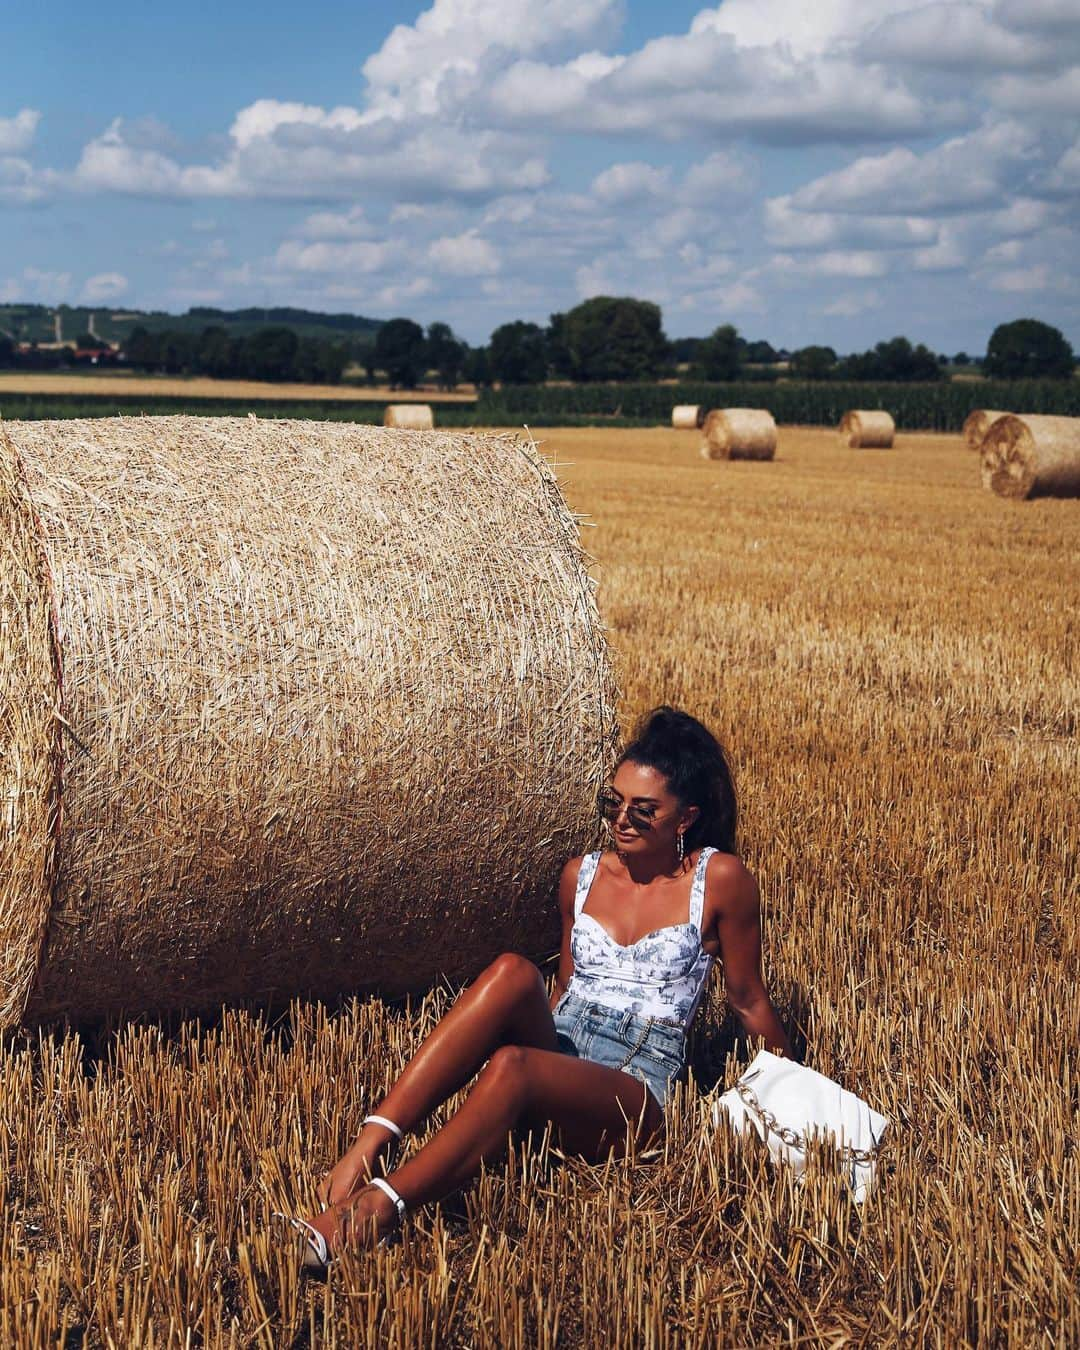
(696, 768)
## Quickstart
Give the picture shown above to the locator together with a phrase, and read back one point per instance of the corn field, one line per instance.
(940, 406)
(890, 654)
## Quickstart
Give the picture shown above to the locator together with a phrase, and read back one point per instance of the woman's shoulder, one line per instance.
(572, 867)
(728, 880)
(568, 881)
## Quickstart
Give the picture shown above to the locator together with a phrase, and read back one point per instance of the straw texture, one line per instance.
(409, 416)
(978, 424)
(863, 430)
(687, 416)
(1032, 457)
(333, 711)
(739, 433)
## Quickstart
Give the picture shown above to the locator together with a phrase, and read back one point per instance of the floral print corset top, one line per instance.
(662, 975)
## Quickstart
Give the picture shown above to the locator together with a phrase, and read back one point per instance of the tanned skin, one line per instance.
(501, 1029)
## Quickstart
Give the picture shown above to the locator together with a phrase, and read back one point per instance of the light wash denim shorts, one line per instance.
(643, 1047)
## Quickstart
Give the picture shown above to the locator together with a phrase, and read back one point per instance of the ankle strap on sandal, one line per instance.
(386, 1124)
(388, 1190)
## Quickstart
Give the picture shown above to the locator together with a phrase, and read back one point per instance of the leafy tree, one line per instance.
(85, 340)
(1027, 349)
(320, 361)
(686, 351)
(896, 359)
(813, 363)
(901, 361)
(176, 351)
(7, 351)
(270, 354)
(143, 348)
(216, 354)
(334, 360)
(519, 353)
(558, 354)
(446, 354)
(720, 354)
(364, 354)
(400, 350)
(477, 368)
(760, 353)
(961, 359)
(614, 338)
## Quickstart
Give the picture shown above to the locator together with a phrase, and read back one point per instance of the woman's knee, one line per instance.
(507, 1071)
(514, 974)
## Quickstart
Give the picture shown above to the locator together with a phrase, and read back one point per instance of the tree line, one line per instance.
(275, 353)
(607, 339)
(619, 339)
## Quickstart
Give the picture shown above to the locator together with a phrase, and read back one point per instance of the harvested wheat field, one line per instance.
(199, 386)
(890, 654)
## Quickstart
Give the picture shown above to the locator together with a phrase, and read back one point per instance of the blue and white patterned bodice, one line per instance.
(661, 975)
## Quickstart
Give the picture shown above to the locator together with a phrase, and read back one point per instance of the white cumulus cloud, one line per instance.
(963, 37)
(852, 303)
(946, 255)
(1022, 279)
(464, 255)
(36, 286)
(964, 173)
(634, 181)
(433, 65)
(17, 133)
(325, 256)
(103, 288)
(801, 28)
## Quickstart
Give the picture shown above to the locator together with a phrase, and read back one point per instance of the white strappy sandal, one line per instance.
(395, 1143)
(318, 1257)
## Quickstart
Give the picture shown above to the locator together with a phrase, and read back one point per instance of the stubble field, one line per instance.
(125, 384)
(890, 654)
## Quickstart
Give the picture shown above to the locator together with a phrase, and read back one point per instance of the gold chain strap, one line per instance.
(640, 1042)
(862, 1156)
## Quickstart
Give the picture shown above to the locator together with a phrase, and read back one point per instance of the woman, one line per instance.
(641, 926)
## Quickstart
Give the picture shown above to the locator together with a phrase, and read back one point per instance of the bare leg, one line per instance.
(593, 1107)
(507, 1004)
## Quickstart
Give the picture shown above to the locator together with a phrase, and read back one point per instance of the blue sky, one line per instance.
(831, 172)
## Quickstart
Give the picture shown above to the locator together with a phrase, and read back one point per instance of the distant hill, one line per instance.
(43, 323)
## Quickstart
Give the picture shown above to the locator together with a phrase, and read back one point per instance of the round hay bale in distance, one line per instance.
(978, 423)
(863, 429)
(1032, 457)
(287, 708)
(409, 416)
(687, 416)
(739, 433)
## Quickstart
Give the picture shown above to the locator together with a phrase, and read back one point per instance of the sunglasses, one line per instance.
(610, 807)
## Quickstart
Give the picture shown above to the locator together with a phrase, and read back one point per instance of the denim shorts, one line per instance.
(647, 1049)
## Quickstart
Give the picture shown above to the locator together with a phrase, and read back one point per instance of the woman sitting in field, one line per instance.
(641, 925)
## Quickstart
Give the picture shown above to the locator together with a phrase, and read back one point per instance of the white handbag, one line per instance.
(787, 1103)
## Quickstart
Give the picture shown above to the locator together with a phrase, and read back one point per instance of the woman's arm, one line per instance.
(732, 895)
(567, 891)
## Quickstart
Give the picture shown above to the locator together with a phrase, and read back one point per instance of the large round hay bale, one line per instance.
(687, 416)
(409, 416)
(863, 430)
(287, 707)
(739, 433)
(978, 423)
(1032, 457)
